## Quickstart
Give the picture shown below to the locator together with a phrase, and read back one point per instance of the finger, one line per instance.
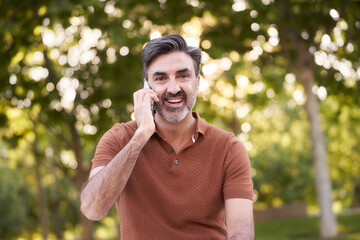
(136, 98)
(147, 100)
(142, 100)
(153, 95)
(139, 96)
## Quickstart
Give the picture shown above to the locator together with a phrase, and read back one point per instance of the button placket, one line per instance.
(173, 157)
(174, 162)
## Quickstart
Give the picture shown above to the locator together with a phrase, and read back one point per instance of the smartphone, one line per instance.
(146, 86)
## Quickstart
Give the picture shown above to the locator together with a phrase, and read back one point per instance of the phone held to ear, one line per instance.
(146, 86)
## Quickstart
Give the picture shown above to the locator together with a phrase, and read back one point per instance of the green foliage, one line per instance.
(306, 228)
(284, 151)
(64, 207)
(258, 90)
(15, 204)
(341, 121)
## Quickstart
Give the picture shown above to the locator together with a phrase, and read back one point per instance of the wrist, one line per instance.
(143, 134)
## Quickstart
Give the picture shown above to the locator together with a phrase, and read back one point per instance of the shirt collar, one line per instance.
(200, 127)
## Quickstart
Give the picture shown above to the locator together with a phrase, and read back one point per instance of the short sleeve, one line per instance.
(237, 175)
(110, 144)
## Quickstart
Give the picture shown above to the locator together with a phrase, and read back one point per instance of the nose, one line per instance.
(173, 86)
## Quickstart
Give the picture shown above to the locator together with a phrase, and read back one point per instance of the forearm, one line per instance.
(248, 235)
(102, 190)
(239, 219)
(244, 232)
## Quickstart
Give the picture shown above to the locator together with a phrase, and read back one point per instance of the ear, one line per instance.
(198, 84)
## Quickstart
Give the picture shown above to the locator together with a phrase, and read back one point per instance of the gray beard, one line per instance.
(175, 115)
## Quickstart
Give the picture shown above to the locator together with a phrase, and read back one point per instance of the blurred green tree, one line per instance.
(16, 212)
(75, 65)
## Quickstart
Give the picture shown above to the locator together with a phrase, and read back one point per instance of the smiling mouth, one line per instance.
(174, 102)
(178, 100)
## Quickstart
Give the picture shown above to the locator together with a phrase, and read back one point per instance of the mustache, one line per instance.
(178, 94)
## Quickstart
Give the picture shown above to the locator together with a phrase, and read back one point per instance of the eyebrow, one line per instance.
(164, 73)
(159, 74)
(183, 70)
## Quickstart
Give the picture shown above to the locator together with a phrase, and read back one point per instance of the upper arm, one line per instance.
(237, 172)
(111, 144)
(239, 218)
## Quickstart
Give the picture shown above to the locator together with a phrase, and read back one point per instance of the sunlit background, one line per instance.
(69, 74)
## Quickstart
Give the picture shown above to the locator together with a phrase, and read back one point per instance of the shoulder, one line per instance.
(213, 132)
(221, 140)
(122, 130)
(129, 127)
(112, 142)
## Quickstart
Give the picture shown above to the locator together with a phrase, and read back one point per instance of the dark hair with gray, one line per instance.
(168, 44)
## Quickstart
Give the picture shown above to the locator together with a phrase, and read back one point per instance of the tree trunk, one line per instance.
(322, 178)
(55, 203)
(82, 173)
(43, 214)
(87, 228)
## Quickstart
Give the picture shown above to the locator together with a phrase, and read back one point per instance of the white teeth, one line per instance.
(174, 100)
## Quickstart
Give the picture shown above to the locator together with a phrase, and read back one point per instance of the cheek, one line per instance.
(190, 88)
(160, 91)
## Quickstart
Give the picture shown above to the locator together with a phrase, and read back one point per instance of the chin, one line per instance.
(175, 117)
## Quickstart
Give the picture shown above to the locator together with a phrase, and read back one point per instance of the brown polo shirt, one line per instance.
(178, 195)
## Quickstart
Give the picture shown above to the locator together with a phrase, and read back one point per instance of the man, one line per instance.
(171, 174)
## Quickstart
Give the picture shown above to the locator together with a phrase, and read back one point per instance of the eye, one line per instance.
(184, 75)
(160, 78)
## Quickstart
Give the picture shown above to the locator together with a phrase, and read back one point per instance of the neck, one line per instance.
(178, 133)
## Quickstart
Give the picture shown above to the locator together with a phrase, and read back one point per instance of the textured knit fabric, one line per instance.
(178, 195)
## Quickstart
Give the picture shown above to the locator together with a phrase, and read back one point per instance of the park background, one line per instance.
(283, 75)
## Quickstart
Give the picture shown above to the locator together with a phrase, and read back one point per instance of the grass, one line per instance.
(306, 229)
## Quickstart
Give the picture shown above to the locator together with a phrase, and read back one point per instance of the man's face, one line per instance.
(172, 77)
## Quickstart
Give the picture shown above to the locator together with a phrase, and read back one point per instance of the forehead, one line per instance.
(171, 62)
